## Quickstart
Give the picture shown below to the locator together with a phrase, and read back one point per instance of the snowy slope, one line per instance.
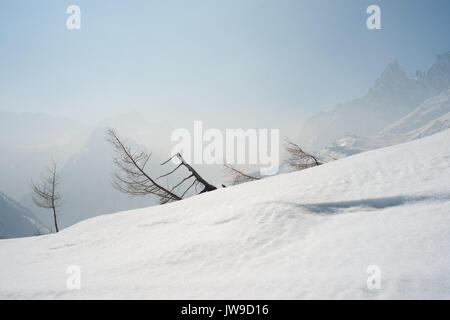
(307, 234)
(17, 221)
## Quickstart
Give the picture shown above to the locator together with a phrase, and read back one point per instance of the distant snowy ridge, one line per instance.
(430, 117)
(393, 96)
(302, 235)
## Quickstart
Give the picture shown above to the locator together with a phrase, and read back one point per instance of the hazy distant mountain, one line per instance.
(392, 96)
(17, 221)
(35, 131)
(86, 183)
(30, 142)
(437, 78)
(84, 158)
(430, 117)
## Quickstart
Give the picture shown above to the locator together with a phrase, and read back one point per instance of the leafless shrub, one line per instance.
(297, 158)
(236, 176)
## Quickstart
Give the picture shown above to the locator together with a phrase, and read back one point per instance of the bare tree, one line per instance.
(133, 179)
(237, 176)
(46, 195)
(299, 159)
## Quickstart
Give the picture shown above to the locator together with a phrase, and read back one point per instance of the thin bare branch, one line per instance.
(299, 159)
(236, 176)
(46, 195)
(131, 177)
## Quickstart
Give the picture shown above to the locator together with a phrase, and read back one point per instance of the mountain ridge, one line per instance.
(392, 96)
(18, 221)
(430, 117)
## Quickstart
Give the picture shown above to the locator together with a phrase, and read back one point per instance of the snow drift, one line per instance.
(307, 234)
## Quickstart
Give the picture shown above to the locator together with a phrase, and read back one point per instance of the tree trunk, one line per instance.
(208, 186)
(54, 217)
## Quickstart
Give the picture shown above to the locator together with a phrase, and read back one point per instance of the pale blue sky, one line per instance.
(167, 57)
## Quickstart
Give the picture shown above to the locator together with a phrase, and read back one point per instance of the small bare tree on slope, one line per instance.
(132, 177)
(236, 176)
(297, 158)
(46, 195)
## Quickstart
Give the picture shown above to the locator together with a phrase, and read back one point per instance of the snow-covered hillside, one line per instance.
(307, 234)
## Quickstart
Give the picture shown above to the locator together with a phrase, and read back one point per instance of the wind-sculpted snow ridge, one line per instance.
(307, 234)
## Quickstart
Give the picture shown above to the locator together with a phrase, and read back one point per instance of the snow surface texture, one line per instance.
(307, 234)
